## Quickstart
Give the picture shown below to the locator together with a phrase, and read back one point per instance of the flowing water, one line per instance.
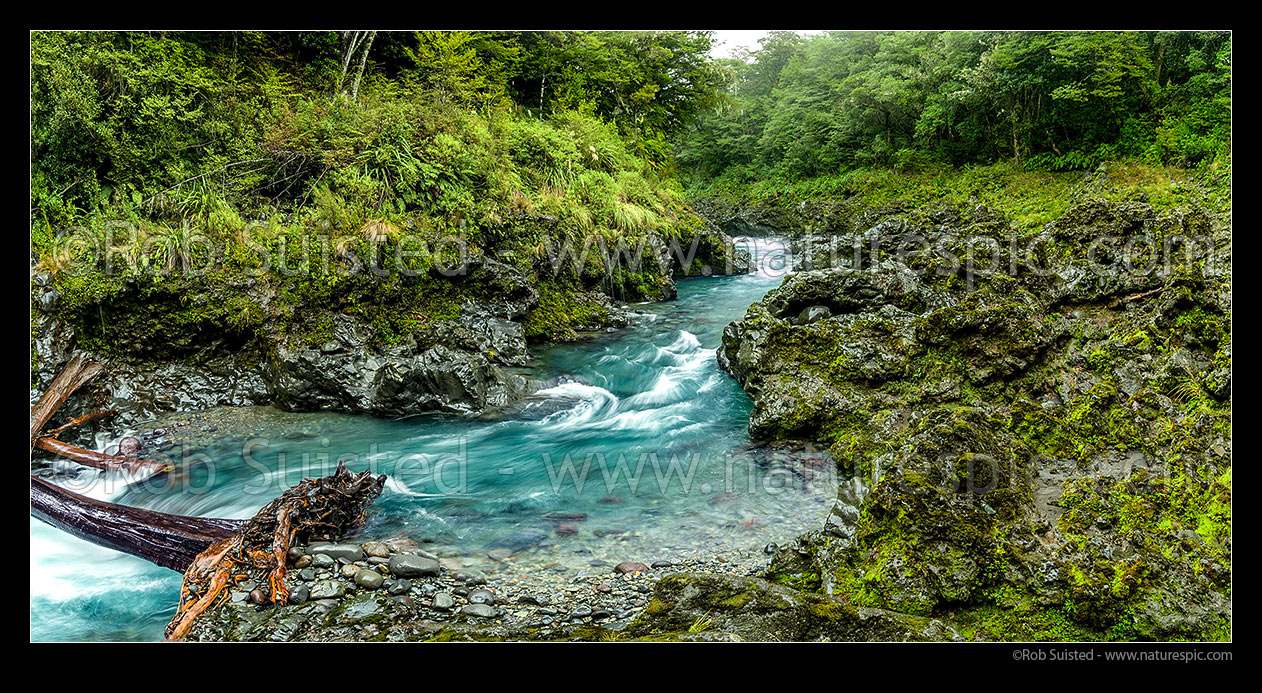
(642, 438)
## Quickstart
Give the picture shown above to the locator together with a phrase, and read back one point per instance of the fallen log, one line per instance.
(98, 460)
(212, 553)
(170, 541)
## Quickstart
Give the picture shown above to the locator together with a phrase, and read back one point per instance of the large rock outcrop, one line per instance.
(1037, 448)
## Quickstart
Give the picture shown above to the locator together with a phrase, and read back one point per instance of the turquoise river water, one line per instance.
(642, 433)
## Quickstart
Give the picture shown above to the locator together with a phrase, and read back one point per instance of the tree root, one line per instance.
(315, 508)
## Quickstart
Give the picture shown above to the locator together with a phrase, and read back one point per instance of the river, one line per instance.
(638, 452)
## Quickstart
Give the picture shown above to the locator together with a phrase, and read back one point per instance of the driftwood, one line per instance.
(323, 508)
(77, 373)
(171, 541)
(212, 553)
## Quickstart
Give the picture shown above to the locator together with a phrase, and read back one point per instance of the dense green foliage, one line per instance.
(825, 104)
(515, 138)
(253, 147)
(132, 121)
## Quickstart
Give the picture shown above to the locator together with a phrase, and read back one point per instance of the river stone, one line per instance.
(349, 570)
(629, 567)
(443, 601)
(397, 587)
(328, 589)
(350, 552)
(481, 596)
(469, 577)
(369, 579)
(407, 566)
(402, 544)
(323, 562)
(376, 549)
(299, 594)
(479, 610)
(303, 561)
(307, 574)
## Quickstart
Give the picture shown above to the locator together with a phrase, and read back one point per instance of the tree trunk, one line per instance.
(170, 541)
(363, 60)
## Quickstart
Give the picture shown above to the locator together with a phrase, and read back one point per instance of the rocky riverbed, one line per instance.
(394, 589)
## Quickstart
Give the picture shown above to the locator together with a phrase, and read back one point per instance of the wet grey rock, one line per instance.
(328, 589)
(349, 552)
(299, 594)
(482, 596)
(469, 577)
(480, 610)
(444, 601)
(368, 579)
(408, 566)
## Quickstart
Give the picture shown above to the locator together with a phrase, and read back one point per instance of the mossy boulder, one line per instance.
(752, 608)
(1037, 450)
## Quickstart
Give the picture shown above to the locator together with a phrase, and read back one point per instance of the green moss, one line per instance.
(561, 312)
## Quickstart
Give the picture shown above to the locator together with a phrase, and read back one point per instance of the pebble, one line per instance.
(328, 589)
(349, 570)
(402, 544)
(399, 586)
(350, 552)
(409, 566)
(481, 596)
(629, 567)
(479, 610)
(307, 574)
(470, 577)
(443, 601)
(303, 561)
(299, 594)
(323, 561)
(369, 579)
(376, 549)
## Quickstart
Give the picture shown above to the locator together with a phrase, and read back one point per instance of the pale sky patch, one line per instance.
(726, 41)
